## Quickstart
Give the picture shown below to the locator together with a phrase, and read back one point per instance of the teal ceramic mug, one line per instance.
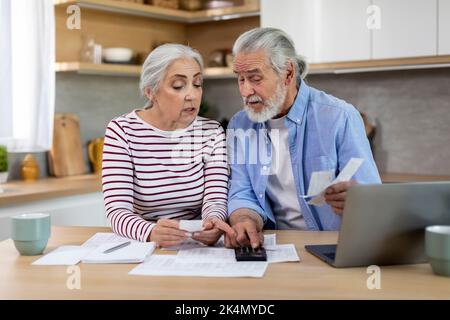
(30, 232)
(437, 248)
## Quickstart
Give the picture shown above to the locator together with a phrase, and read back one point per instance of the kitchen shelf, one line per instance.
(381, 65)
(249, 9)
(98, 69)
(227, 73)
(128, 70)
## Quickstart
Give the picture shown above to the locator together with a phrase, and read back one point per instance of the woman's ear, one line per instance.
(148, 93)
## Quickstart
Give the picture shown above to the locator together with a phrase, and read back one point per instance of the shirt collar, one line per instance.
(298, 109)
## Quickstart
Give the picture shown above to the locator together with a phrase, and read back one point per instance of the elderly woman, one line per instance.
(163, 163)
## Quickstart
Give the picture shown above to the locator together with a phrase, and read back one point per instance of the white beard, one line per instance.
(270, 109)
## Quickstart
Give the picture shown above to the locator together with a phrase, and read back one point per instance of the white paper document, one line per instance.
(319, 181)
(102, 238)
(191, 225)
(170, 265)
(136, 252)
(187, 244)
(269, 239)
(208, 254)
(345, 175)
(275, 253)
(63, 256)
(281, 253)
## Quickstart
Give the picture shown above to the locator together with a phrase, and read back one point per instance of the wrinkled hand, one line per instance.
(213, 228)
(167, 233)
(247, 233)
(336, 194)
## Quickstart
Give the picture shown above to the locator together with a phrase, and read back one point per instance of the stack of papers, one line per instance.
(269, 239)
(275, 253)
(102, 238)
(216, 261)
(63, 256)
(196, 260)
(92, 251)
(170, 265)
(136, 252)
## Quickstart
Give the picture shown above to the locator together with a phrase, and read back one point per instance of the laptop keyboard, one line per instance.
(330, 255)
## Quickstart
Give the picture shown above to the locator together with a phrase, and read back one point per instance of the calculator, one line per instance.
(250, 254)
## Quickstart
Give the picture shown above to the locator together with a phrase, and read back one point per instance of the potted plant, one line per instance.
(3, 164)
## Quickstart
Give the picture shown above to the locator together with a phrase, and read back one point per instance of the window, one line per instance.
(27, 88)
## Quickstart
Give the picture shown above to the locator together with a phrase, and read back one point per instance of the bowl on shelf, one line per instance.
(191, 5)
(117, 55)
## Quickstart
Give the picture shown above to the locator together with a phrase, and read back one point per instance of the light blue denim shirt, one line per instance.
(324, 134)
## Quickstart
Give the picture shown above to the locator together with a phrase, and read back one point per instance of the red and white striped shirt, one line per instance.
(150, 174)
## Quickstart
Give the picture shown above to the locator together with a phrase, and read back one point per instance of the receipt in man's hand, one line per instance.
(345, 175)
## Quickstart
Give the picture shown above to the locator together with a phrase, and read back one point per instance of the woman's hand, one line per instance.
(213, 228)
(167, 233)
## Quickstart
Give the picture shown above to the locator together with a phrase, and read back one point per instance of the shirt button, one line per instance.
(260, 195)
(264, 168)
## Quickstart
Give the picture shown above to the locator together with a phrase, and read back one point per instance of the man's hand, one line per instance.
(248, 226)
(167, 233)
(213, 228)
(336, 194)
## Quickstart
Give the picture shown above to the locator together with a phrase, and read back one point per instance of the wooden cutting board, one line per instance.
(66, 156)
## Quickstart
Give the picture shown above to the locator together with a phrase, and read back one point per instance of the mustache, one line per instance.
(252, 98)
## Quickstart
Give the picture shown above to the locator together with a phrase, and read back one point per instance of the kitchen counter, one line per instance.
(405, 177)
(308, 279)
(19, 192)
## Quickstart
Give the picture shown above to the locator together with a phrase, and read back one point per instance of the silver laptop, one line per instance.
(385, 224)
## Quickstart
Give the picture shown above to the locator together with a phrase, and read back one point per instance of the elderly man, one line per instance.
(286, 132)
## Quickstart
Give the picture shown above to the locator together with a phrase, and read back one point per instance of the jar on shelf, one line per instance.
(29, 169)
(88, 50)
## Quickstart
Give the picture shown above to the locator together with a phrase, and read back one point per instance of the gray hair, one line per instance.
(279, 47)
(158, 61)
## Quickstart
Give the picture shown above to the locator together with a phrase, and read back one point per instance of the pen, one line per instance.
(122, 245)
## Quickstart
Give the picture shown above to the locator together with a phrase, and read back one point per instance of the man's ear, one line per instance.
(290, 71)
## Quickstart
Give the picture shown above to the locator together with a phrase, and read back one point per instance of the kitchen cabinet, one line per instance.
(77, 210)
(335, 36)
(444, 27)
(323, 31)
(408, 29)
(296, 18)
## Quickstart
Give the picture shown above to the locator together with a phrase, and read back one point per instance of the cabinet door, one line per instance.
(323, 30)
(408, 29)
(295, 17)
(444, 27)
(342, 33)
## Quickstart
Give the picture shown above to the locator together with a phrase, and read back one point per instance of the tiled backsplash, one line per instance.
(411, 110)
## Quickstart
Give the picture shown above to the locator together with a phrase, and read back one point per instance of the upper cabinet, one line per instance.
(343, 35)
(408, 29)
(295, 17)
(349, 35)
(444, 27)
(323, 30)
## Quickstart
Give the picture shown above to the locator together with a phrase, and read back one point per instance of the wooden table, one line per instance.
(309, 279)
